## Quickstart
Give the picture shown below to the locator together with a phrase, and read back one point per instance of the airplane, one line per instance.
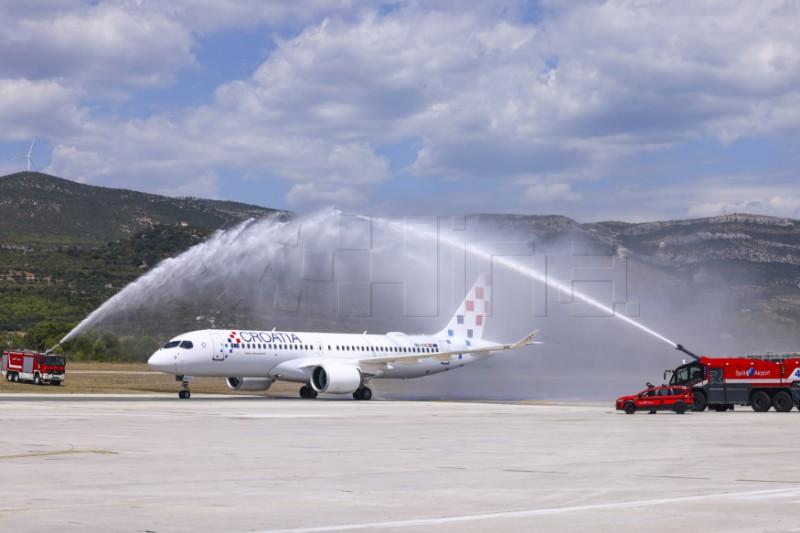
(334, 363)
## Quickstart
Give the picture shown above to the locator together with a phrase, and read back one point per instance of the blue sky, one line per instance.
(596, 110)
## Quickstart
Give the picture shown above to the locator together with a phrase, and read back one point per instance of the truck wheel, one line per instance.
(700, 402)
(13, 377)
(760, 402)
(782, 402)
(630, 408)
(37, 380)
(680, 408)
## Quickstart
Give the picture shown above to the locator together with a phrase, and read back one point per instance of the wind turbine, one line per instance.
(29, 156)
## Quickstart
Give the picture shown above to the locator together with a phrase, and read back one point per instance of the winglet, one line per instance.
(526, 340)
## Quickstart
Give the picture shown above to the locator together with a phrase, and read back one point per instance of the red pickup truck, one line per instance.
(665, 398)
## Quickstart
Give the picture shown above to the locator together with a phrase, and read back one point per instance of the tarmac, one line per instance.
(237, 464)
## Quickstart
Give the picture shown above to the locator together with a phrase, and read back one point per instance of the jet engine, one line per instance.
(248, 383)
(335, 378)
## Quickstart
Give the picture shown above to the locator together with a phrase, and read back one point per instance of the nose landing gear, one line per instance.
(184, 393)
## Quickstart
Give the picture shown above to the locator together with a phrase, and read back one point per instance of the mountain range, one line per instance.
(39, 208)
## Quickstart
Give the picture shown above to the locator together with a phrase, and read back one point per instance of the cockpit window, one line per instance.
(187, 345)
(171, 344)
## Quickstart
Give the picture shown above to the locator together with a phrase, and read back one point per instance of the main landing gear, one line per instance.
(308, 392)
(184, 393)
(362, 393)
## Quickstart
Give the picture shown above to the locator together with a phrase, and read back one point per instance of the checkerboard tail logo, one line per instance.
(470, 318)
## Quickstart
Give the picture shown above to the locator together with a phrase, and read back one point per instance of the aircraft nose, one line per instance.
(161, 361)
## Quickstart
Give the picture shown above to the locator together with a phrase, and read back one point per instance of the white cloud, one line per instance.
(98, 48)
(218, 15)
(780, 206)
(479, 93)
(552, 192)
(305, 195)
(200, 186)
(37, 108)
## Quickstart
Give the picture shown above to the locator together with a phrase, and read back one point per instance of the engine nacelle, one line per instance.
(335, 378)
(249, 383)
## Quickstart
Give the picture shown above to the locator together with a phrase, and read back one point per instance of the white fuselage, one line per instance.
(290, 356)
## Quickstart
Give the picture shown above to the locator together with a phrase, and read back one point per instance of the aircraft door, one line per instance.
(219, 350)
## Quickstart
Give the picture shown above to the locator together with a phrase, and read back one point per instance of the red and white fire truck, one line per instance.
(33, 367)
(760, 381)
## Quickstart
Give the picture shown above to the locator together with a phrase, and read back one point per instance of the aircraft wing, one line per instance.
(409, 358)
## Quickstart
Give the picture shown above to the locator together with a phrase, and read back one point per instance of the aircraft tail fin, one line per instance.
(470, 317)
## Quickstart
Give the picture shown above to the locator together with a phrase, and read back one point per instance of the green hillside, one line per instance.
(37, 208)
(66, 247)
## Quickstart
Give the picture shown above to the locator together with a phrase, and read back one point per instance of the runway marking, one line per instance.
(420, 522)
(524, 471)
(283, 415)
(57, 452)
(767, 481)
(676, 477)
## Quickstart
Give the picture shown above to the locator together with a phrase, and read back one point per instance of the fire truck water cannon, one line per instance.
(691, 354)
